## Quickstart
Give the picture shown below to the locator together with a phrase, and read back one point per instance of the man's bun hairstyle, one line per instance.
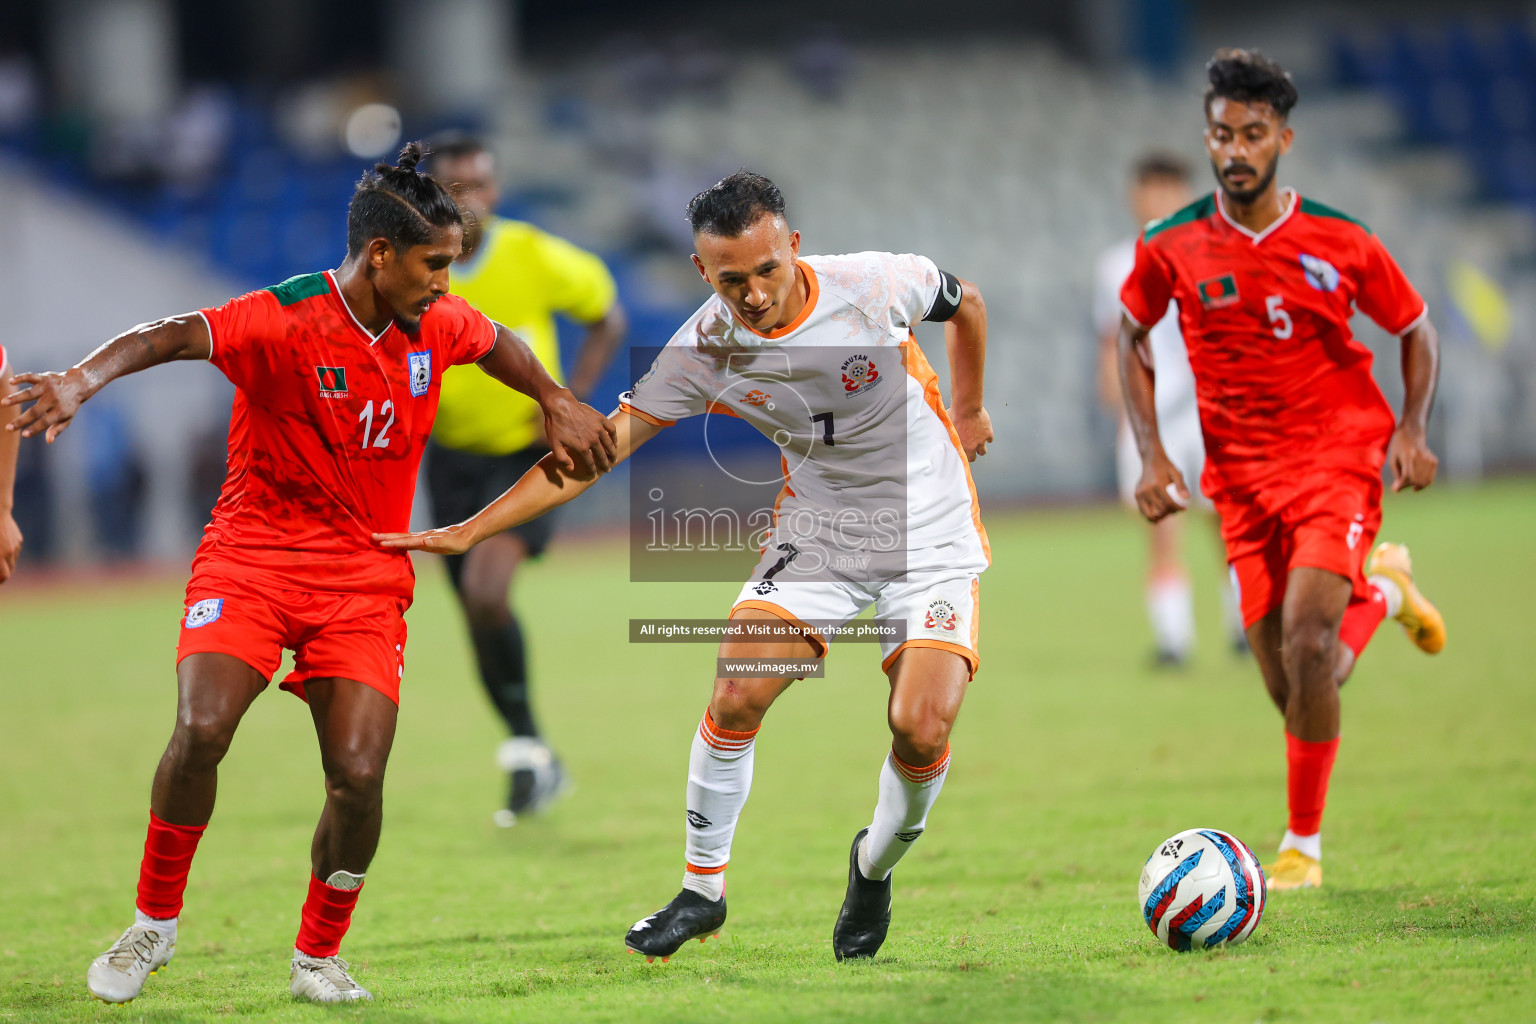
(1247, 76)
(399, 204)
(733, 204)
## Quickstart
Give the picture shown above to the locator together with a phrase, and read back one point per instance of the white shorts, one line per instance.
(940, 608)
(1184, 444)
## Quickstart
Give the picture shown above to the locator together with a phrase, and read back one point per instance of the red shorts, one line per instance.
(348, 636)
(1320, 521)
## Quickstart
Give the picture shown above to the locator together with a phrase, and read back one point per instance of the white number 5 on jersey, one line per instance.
(1278, 316)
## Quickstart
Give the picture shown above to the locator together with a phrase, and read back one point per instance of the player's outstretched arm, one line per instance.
(1413, 464)
(542, 488)
(965, 338)
(1161, 490)
(578, 435)
(10, 533)
(60, 395)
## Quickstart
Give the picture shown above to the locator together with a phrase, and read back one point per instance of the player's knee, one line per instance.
(354, 778)
(1310, 640)
(920, 733)
(201, 740)
(738, 705)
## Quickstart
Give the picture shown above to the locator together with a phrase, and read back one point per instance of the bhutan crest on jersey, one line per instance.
(941, 616)
(859, 374)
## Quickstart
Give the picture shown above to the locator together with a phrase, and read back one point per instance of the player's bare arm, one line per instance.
(59, 395)
(574, 431)
(547, 485)
(965, 336)
(1413, 464)
(10, 533)
(1162, 490)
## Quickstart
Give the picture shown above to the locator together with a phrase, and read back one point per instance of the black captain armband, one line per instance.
(947, 303)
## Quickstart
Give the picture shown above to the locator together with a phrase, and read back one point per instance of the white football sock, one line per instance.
(1390, 592)
(1232, 612)
(901, 813)
(166, 926)
(1171, 609)
(1311, 845)
(719, 779)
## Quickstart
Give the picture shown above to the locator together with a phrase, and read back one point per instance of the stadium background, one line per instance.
(155, 155)
(158, 155)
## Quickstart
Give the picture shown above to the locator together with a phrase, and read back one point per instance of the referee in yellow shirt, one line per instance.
(487, 436)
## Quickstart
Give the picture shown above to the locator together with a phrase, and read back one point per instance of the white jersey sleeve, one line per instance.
(688, 371)
(895, 290)
(1114, 266)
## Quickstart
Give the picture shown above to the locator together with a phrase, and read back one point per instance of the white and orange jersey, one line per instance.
(869, 455)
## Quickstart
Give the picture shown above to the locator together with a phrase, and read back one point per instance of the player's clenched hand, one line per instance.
(583, 439)
(1161, 490)
(1413, 464)
(58, 397)
(10, 546)
(975, 430)
(445, 540)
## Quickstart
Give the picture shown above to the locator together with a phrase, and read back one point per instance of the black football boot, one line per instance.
(866, 914)
(688, 916)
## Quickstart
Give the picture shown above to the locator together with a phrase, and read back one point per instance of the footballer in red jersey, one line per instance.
(337, 378)
(1296, 429)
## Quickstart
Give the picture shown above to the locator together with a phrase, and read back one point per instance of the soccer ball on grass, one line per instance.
(1202, 888)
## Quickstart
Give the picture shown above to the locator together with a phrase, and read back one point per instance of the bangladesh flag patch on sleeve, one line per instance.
(1218, 291)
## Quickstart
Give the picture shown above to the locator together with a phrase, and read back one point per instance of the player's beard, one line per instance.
(1243, 197)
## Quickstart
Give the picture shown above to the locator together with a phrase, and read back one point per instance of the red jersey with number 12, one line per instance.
(327, 431)
(1281, 381)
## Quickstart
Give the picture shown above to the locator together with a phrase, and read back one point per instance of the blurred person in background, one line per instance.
(486, 438)
(1160, 187)
(10, 440)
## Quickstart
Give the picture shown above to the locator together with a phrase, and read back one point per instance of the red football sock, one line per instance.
(1360, 621)
(168, 851)
(327, 914)
(1309, 766)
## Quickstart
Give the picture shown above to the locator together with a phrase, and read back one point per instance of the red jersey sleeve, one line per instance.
(1149, 288)
(243, 333)
(1384, 292)
(468, 334)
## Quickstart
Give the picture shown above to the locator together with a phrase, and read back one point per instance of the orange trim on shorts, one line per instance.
(640, 414)
(811, 635)
(722, 409)
(812, 294)
(918, 368)
(972, 659)
(926, 773)
(694, 869)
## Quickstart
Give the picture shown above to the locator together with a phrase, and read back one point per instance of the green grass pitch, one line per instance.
(1071, 762)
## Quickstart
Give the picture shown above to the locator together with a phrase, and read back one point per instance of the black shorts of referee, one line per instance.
(462, 483)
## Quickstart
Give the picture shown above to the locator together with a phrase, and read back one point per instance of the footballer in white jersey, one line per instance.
(1159, 187)
(878, 508)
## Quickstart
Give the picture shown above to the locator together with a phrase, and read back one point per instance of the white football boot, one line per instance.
(118, 975)
(323, 979)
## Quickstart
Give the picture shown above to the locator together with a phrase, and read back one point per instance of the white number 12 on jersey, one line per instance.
(381, 439)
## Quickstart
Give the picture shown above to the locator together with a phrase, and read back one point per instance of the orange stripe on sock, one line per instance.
(694, 869)
(926, 773)
(723, 739)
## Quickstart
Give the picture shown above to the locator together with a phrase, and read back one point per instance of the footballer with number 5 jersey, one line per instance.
(1296, 429)
(817, 354)
(337, 377)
